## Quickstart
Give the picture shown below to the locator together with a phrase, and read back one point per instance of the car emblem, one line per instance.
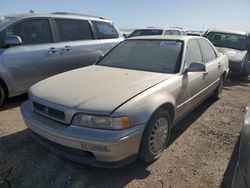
(46, 110)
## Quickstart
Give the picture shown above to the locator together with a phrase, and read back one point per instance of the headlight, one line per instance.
(101, 122)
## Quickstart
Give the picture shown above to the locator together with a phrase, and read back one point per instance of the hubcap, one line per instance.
(158, 136)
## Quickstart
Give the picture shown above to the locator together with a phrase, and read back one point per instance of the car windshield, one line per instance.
(144, 32)
(146, 55)
(234, 41)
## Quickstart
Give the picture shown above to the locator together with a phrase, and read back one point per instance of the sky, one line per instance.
(188, 14)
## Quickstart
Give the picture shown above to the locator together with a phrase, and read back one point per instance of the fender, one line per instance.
(141, 108)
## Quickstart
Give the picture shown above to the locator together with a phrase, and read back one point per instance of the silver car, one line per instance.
(241, 177)
(123, 107)
(36, 46)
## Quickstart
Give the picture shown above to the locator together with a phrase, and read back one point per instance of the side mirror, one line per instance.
(12, 40)
(196, 67)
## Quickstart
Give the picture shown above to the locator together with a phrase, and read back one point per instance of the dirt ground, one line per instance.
(202, 152)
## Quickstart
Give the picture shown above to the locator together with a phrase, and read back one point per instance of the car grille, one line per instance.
(49, 111)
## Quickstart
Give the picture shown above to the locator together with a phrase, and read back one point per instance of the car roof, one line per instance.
(164, 37)
(229, 31)
(158, 28)
(15, 17)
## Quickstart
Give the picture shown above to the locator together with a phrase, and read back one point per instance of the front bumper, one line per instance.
(238, 67)
(105, 146)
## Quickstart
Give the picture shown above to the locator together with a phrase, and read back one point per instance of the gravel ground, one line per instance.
(202, 151)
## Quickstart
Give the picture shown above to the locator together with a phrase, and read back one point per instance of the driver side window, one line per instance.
(193, 53)
(34, 31)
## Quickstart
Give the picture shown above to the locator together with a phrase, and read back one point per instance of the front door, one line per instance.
(197, 81)
(36, 59)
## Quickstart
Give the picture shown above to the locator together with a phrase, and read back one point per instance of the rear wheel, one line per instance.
(2, 95)
(155, 136)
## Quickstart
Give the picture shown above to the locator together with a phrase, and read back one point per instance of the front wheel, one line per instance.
(155, 136)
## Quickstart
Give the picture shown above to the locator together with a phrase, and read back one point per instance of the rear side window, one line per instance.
(105, 30)
(193, 53)
(145, 32)
(73, 30)
(167, 32)
(35, 31)
(208, 51)
(2, 38)
(175, 32)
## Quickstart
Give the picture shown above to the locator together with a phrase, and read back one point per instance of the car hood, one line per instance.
(232, 54)
(95, 89)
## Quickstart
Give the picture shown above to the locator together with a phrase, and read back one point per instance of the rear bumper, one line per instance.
(104, 146)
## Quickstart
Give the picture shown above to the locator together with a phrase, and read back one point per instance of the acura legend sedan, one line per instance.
(123, 107)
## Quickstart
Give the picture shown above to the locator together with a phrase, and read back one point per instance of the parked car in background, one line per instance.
(157, 31)
(36, 46)
(126, 32)
(195, 33)
(235, 44)
(123, 107)
(241, 177)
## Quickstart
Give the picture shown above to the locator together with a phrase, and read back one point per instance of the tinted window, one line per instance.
(208, 51)
(234, 41)
(193, 53)
(35, 31)
(175, 32)
(105, 30)
(72, 30)
(147, 55)
(167, 32)
(2, 38)
(145, 32)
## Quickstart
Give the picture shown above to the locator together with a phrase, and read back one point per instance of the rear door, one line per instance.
(213, 65)
(107, 33)
(77, 45)
(36, 59)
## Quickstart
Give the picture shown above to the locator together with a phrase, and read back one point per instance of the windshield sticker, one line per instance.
(170, 43)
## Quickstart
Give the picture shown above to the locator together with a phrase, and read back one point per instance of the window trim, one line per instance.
(34, 18)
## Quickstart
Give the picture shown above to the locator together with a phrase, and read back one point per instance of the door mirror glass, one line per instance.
(196, 67)
(12, 40)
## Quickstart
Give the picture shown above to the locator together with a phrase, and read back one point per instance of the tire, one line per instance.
(218, 91)
(155, 137)
(2, 95)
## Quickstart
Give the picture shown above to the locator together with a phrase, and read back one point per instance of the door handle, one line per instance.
(52, 50)
(67, 48)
